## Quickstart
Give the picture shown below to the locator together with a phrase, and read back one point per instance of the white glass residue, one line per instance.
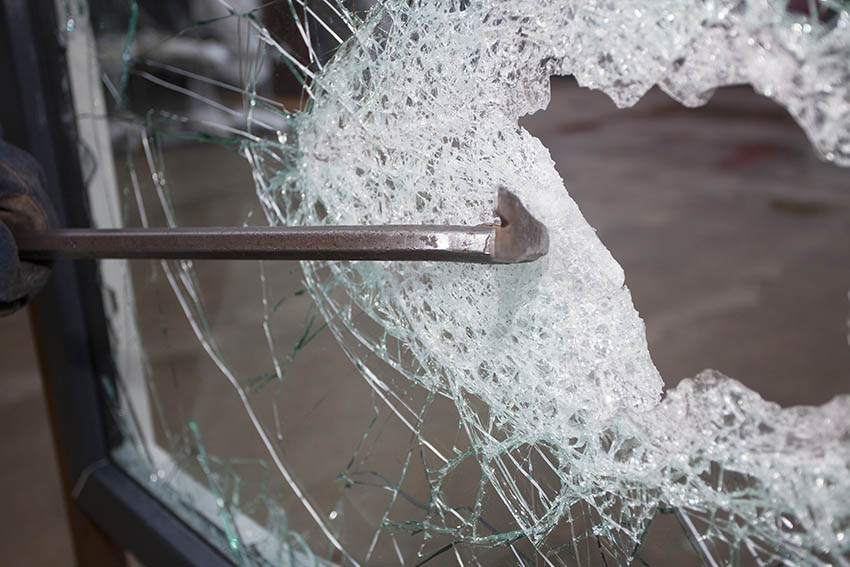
(415, 120)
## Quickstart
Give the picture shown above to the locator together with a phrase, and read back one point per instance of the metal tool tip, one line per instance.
(521, 238)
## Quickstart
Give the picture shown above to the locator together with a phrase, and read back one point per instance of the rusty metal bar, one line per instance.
(519, 238)
(388, 242)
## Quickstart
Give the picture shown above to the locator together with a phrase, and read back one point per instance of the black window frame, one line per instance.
(37, 115)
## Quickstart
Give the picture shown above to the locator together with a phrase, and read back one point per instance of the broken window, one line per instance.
(372, 413)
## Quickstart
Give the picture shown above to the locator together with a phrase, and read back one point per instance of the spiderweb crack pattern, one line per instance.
(415, 121)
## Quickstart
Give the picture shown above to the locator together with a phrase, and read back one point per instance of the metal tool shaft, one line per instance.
(520, 238)
(387, 242)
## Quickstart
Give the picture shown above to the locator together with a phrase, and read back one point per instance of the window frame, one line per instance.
(36, 113)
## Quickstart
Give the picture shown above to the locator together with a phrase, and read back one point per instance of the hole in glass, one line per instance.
(733, 235)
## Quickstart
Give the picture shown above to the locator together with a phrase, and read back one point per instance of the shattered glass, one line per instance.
(480, 414)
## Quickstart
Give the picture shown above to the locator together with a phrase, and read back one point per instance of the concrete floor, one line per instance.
(734, 238)
(34, 522)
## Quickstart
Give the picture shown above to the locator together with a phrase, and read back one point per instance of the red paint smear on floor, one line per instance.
(750, 154)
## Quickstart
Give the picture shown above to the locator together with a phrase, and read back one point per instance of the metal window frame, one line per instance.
(36, 113)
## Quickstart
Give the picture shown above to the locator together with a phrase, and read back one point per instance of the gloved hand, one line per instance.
(23, 204)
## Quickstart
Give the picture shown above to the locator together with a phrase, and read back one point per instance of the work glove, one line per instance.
(23, 206)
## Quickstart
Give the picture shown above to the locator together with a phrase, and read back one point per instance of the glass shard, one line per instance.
(499, 413)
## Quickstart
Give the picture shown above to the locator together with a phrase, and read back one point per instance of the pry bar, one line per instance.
(519, 238)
